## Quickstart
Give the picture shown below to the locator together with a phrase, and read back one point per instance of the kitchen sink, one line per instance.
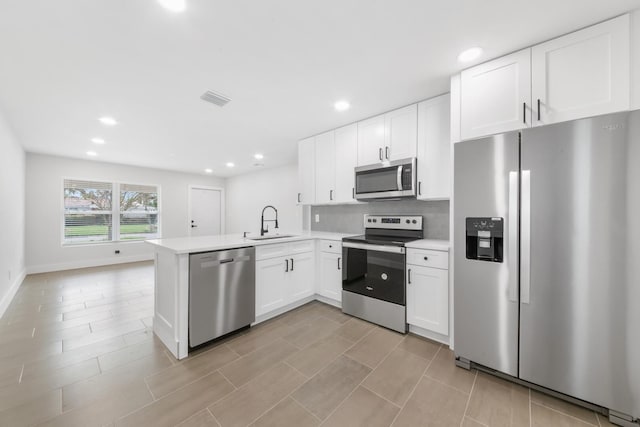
(277, 236)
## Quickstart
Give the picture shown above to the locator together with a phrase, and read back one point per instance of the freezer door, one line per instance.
(485, 290)
(580, 257)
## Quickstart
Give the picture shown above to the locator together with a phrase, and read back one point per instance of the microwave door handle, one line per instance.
(399, 177)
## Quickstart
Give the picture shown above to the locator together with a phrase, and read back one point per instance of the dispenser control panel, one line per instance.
(485, 238)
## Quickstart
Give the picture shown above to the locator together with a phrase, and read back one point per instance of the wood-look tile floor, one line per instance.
(77, 349)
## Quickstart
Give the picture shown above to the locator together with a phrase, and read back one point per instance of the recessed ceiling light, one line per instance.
(97, 141)
(208, 170)
(258, 156)
(108, 121)
(470, 54)
(230, 164)
(174, 5)
(92, 153)
(341, 105)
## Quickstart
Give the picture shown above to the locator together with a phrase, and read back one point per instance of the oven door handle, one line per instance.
(399, 177)
(376, 248)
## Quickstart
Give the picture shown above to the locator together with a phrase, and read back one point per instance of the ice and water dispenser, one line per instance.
(485, 238)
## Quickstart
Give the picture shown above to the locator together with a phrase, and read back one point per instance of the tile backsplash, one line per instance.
(349, 218)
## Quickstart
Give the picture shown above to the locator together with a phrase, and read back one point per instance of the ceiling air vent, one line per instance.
(215, 98)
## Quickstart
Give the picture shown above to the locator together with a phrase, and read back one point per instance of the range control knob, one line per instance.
(408, 221)
(369, 220)
(414, 221)
(375, 220)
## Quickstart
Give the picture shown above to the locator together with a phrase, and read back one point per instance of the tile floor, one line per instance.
(77, 349)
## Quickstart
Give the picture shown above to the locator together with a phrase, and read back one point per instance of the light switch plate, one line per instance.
(317, 217)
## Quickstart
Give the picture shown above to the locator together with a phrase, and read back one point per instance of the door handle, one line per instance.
(338, 263)
(380, 153)
(409, 276)
(513, 236)
(286, 262)
(386, 152)
(525, 238)
(291, 264)
(399, 178)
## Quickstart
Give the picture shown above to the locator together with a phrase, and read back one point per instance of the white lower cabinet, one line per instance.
(284, 275)
(427, 293)
(330, 265)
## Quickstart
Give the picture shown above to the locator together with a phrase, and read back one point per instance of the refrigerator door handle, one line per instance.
(513, 236)
(525, 238)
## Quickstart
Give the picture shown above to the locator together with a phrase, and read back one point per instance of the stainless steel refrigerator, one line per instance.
(547, 258)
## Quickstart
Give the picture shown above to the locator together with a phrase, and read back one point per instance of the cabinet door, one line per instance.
(496, 96)
(270, 284)
(582, 74)
(300, 278)
(331, 275)
(371, 140)
(434, 149)
(325, 168)
(346, 159)
(428, 298)
(401, 133)
(306, 172)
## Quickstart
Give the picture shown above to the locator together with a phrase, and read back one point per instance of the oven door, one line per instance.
(375, 271)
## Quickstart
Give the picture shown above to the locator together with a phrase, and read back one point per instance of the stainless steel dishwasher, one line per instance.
(222, 293)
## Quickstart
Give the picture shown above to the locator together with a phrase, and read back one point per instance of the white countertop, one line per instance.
(435, 245)
(185, 245)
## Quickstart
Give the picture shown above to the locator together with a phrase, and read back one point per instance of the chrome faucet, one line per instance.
(262, 220)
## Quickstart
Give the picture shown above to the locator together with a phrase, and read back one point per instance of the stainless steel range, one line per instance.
(373, 277)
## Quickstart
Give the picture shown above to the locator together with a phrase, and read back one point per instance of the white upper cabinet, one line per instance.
(306, 172)
(434, 149)
(582, 74)
(496, 96)
(346, 159)
(390, 136)
(371, 140)
(325, 167)
(401, 133)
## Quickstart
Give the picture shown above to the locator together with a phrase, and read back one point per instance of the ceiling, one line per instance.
(65, 63)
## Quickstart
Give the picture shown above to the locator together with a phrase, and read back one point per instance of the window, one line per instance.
(97, 212)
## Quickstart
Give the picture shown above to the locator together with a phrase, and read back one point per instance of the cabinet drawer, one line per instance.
(330, 246)
(428, 258)
(271, 251)
(300, 247)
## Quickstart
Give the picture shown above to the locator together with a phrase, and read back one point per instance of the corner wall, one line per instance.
(44, 210)
(247, 194)
(12, 214)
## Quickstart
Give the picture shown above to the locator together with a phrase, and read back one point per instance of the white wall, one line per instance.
(12, 209)
(248, 194)
(635, 59)
(44, 251)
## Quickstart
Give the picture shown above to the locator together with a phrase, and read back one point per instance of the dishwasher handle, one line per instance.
(219, 262)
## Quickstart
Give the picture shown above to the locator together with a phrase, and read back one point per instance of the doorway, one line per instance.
(206, 211)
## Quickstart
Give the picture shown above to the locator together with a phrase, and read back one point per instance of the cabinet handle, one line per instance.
(338, 263)
(291, 264)
(419, 188)
(524, 113)
(386, 152)
(538, 109)
(298, 197)
(409, 275)
(380, 153)
(353, 192)
(286, 262)
(330, 194)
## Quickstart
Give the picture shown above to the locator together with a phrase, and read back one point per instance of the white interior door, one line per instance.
(205, 211)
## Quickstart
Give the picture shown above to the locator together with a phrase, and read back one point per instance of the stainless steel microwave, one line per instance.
(387, 180)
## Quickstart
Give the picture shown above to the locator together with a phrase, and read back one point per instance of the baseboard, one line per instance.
(47, 268)
(329, 301)
(8, 297)
(429, 334)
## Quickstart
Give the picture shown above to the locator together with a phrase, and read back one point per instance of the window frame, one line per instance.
(115, 212)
